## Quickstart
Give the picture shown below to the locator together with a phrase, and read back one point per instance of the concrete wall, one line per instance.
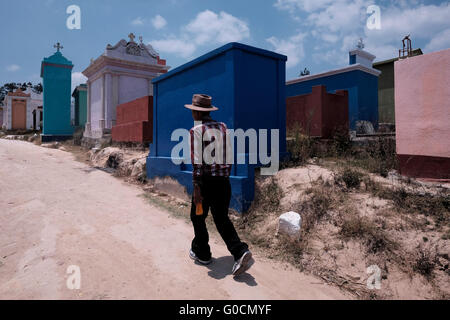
(134, 121)
(304, 112)
(80, 112)
(96, 107)
(422, 115)
(131, 88)
(318, 114)
(107, 91)
(335, 113)
(82, 108)
(386, 93)
(362, 88)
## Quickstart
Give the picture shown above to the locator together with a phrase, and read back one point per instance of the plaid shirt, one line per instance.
(211, 131)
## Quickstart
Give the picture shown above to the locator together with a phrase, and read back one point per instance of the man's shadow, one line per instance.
(219, 268)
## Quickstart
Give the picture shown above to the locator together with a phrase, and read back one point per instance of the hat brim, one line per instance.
(197, 108)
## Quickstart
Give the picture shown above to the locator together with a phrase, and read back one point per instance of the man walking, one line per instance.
(212, 188)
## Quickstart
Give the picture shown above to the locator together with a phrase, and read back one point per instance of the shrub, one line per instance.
(321, 199)
(267, 198)
(341, 142)
(377, 156)
(300, 147)
(114, 160)
(425, 262)
(77, 136)
(351, 178)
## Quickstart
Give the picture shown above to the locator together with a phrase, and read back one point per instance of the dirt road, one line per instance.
(56, 212)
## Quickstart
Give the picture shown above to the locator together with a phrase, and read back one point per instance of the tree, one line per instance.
(38, 88)
(11, 86)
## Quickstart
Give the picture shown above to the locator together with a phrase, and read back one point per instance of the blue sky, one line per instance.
(313, 33)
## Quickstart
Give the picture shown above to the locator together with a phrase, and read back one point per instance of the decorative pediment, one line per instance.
(121, 43)
(150, 50)
(130, 55)
(128, 49)
(133, 48)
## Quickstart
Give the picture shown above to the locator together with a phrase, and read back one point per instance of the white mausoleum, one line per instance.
(22, 110)
(121, 74)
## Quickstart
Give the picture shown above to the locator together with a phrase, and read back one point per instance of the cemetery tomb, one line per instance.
(56, 72)
(246, 84)
(123, 73)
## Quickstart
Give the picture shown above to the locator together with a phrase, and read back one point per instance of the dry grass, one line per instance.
(416, 202)
(446, 235)
(375, 238)
(425, 262)
(300, 148)
(376, 155)
(350, 178)
(78, 136)
(322, 198)
(332, 217)
(268, 198)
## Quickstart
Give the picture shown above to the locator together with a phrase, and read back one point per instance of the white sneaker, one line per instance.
(194, 257)
(242, 264)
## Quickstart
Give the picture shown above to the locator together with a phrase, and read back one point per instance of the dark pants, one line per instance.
(216, 193)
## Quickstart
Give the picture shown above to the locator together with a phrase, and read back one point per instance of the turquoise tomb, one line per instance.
(56, 72)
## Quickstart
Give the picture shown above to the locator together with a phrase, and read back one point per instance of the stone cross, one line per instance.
(131, 36)
(58, 46)
(361, 44)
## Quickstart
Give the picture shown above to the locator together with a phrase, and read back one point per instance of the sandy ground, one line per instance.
(56, 212)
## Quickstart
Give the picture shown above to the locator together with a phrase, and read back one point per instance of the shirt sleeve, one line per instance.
(196, 154)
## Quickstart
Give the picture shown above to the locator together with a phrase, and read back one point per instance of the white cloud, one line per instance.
(12, 68)
(304, 5)
(329, 37)
(138, 21)
(208, 28)
(179, 47)
(439, 42)
(383, 52)
(77, 79)
(333, 57)
(349, 42)
(159, 22)
(335, 25)
(292, 48)
(424, 22)
(338, 24)
(339, 16)
(217, 28)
